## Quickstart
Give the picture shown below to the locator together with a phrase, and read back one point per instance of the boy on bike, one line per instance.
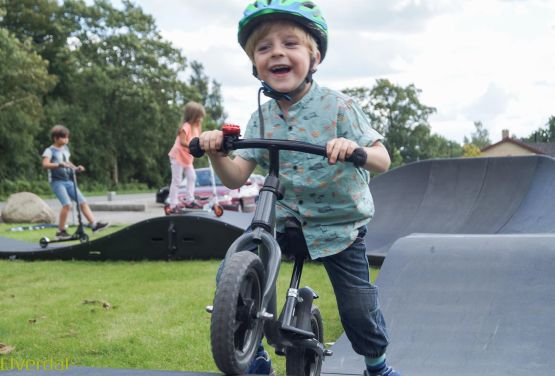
(286, 41)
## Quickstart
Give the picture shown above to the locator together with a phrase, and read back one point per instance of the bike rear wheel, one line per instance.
(306, 362)
(235, 331)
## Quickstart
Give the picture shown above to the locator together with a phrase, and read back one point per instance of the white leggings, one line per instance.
(177, 176)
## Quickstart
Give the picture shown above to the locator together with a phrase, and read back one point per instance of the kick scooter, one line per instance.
(210, 205)
(80, 233)
(244, 305)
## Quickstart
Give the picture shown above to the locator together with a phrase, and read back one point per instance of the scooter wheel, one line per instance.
(306, 362)
(235, 329)
(167, 209)
(84, 238)
(44, 242)
(218, 210)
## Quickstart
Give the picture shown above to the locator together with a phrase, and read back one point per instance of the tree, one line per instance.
(24, 79)
(471, 150)
(397, 112)
(545, 134)
(208, 94)
(108, 75)
(480, 137)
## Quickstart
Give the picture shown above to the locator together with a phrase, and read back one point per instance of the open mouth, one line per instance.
(279, 69)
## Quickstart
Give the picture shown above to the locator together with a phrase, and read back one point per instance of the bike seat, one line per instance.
(295, 243)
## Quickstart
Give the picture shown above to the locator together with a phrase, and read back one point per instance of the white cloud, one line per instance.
(489, 60)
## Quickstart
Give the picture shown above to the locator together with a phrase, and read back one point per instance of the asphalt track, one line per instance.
(503, 195)
(462, 305)
(188, 236)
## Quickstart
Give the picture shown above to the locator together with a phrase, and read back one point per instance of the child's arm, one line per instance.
(183, 138)
(79, 168)
(377, 156)
(232, 172)
(48, 165)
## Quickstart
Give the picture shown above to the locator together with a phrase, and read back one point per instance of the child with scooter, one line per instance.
(55, 159)
(181, 161)
(286, 41)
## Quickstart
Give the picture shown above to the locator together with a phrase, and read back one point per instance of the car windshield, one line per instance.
(205, 180)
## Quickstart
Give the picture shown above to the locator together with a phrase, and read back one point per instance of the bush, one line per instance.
(9, 187)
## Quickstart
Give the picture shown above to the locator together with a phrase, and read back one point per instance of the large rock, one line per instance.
(26, 207)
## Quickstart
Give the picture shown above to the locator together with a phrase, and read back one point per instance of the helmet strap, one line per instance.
(279, 95)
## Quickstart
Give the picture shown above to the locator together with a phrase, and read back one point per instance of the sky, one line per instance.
(473, 60)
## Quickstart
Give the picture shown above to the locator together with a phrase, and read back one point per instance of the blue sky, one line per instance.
(491, 60)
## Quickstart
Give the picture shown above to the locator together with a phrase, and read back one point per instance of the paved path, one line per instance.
(151, 208)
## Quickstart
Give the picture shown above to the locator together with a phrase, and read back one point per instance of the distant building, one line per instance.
(511, 147)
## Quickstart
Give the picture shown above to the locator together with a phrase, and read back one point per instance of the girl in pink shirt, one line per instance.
(181, 160)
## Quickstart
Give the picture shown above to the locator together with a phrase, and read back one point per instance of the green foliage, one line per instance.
(398, 114)
(8, 187)
(471, 150)
(24, 80)
(480, 137)
(104, 72)
(545, 134)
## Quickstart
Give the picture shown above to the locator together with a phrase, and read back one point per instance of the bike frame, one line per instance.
(263, 234)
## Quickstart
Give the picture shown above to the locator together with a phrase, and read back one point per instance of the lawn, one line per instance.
(147, 315)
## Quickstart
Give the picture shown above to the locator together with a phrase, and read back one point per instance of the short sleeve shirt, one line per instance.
(57, 155)
(331, 201)
(178, 151)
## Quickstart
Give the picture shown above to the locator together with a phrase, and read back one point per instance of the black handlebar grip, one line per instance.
(194, 148)
(358, 157)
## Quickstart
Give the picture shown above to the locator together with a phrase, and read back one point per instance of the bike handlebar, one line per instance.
(358, 157)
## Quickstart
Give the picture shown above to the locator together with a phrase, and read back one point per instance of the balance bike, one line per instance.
(244, 306)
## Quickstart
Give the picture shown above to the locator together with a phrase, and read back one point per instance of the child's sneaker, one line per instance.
(62, 235)
(99, 226)
(387, 371)
(261, 365)
(192, 205)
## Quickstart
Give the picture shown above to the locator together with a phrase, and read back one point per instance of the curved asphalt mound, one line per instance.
(188, 236)
(462, 305)
(501, 195)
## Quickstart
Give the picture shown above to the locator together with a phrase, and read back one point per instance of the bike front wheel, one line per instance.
(306, 362)
(235, 330)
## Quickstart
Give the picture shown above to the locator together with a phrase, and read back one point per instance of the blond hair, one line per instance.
(193, 112)
(264, 28)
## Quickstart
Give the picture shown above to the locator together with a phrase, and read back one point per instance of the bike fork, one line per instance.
(299, 304)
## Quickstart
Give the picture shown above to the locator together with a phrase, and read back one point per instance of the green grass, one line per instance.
(156, 318)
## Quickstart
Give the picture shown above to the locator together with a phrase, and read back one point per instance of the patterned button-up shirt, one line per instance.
(331, 201)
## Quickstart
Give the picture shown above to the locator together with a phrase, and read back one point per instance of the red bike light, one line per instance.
(231, 130)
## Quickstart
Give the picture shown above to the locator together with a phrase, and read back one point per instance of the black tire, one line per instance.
(305, 362)
(44, 242)
(84, 238)
(235, 332)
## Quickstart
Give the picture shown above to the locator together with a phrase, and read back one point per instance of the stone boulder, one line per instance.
(26, 207)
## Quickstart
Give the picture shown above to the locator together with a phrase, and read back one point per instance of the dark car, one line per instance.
(242, 199)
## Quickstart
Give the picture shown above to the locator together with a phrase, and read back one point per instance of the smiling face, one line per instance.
(282, 56)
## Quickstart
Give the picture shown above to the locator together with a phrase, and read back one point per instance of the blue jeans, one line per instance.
(65, 191)
(357, 298)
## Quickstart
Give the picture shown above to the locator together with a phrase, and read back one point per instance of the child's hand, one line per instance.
(80, 168)
(339, 149)
(211, 142)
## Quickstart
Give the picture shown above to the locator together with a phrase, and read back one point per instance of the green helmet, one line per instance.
(305, 13)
